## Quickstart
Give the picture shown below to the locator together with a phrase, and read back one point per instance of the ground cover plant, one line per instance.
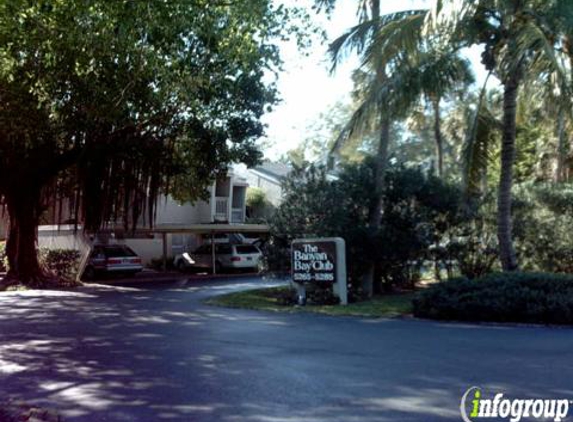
(283, 299)
(500, 297)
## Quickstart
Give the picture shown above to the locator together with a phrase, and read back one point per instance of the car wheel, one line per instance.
(218, 268)
(89, 273)
(181, 266)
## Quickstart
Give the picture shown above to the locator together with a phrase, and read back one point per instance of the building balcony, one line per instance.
(222, 209)
(238, 215)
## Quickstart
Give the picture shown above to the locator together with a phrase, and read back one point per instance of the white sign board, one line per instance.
(321, 261)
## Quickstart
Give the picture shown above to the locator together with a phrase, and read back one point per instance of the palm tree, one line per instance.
(546, 99)
(521, 38)
(435, 74)
(562, 17)
(482, 130)
(554, 101)
(381, 89)
(399, 69)
(519, 42)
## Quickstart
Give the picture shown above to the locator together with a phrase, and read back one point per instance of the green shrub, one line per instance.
(543, 227)
(276, 257)
(500, 297)
(417, 211)
(321, 295)
(283, 297)
(469, 247)
(315, 295)
(62, 262)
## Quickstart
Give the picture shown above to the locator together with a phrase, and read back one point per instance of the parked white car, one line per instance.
(227, 257)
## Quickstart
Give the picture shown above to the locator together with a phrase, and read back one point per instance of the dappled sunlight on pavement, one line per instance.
(109, 353)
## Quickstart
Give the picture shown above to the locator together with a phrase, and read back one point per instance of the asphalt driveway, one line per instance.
(159, 354)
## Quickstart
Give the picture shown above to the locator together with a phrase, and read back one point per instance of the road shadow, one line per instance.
(108, 353)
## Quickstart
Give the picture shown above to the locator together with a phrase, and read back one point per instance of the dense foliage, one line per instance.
(418, 210)
(427, 225)
(259, 208)
(500, 297)
(544, 227)
(509, 148)
(108, 104)
(468, 245)
(61, 262)
(527, 46)
(543, 233)
(3, 258)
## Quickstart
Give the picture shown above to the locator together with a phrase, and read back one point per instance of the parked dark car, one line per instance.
(112, 259)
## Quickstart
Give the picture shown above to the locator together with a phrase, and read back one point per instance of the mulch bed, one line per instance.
(43, 282)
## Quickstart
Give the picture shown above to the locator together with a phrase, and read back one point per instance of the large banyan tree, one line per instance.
(109, 103)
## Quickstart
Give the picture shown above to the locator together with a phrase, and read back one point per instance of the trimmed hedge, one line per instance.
(61, 262)
(500, 297)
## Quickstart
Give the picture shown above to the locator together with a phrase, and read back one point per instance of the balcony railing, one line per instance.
(237, 215)
(221, 209)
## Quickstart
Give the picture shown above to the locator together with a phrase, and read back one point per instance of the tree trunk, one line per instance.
(561, 148)
(11, 244)
(504, 223)
(375, 216)
(381, 158)
(438, 137)
(23, 208)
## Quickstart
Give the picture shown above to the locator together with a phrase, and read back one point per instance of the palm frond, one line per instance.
(534, 43)
(443, 72)
(391, 97)
(359, 37)
(353, 40)
(361, 121)
(445, 18)
(324, 5)
(396, 37)
(477, 145)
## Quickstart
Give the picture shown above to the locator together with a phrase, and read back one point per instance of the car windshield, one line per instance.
(118, 251)
(223, 250)
(205, 249)
(246, 249)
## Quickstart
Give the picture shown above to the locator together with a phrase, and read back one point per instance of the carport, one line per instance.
(210, 229)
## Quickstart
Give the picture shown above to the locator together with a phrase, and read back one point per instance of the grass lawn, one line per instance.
(266, 300)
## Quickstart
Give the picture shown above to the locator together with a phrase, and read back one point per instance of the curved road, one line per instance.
(158, 354)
